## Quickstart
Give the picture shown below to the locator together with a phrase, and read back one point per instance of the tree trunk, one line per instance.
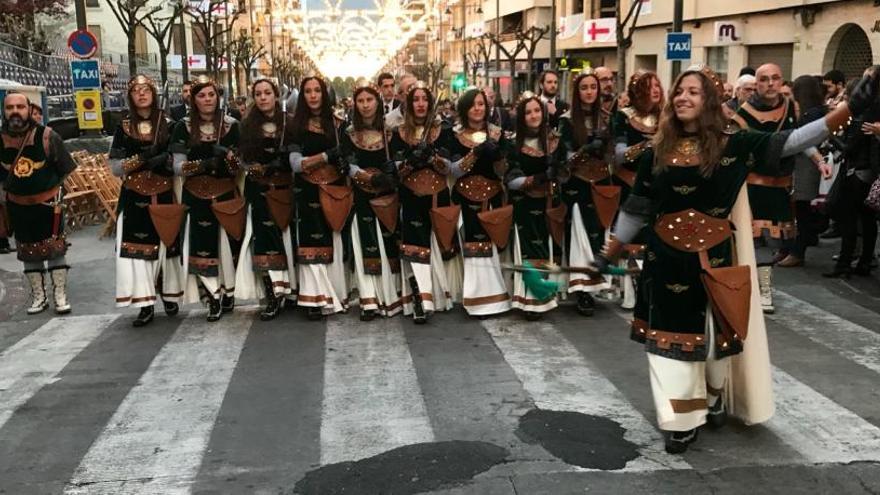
(163, 63)
(132, 56)
(512, 94)
(530, 80)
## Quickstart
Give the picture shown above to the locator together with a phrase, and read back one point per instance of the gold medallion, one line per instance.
(145, 128)
(207, 129)
(269, 129)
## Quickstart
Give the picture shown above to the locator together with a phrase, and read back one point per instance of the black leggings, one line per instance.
(807, 233)
(852, 211)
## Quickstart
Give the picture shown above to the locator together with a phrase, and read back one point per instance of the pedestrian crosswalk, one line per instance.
(373, 394)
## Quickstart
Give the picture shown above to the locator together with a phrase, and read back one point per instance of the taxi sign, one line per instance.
(86, 74)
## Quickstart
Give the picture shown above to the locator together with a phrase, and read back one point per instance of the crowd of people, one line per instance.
(405, 203)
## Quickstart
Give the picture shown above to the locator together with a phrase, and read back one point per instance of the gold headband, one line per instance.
(527, 95)
(419, 85)
(365, 84)
(710, 74)
(139, 80)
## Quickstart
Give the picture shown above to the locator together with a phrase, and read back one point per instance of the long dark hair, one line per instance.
(522, 130)
(807, 92)
(155, 118)
(304, 113)
(195, 117)
(466, 102)
(578, 127)
(251, 127)
(711, 127)
(357, 120)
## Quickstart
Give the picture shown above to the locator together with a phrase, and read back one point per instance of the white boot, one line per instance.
(766, 288)
(59, 285)
(39, 301)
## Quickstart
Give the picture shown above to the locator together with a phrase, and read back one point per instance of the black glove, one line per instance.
(423, 154)
(334, 154)
(211, 165)
(159, 162)
(539, 179)
(219, 151)
(343, 165)
(864, 94)
(487, 149)
(595, 147)
(383, 182)
(600, 263)
(390, 168)
(274, 164)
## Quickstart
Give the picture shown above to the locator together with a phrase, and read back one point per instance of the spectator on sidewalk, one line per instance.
(861, 168)
(807, 92)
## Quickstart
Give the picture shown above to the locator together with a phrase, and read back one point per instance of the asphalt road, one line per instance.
(499, 406)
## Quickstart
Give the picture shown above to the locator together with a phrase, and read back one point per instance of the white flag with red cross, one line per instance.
(603, 30)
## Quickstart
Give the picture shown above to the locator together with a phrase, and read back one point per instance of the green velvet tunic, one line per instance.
(671, 302)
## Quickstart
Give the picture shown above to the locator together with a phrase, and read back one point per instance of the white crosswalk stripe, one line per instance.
(372, 402)
(559, 378)
(155, 441)
(849, 339)
(34, 361)
(818, 428)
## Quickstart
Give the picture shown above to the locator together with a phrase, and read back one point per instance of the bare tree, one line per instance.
(510, 55)
(160, 29)
(624, 38)
(245, 52)
(206, 19)
(483, 49)
(131, 14)
(530, 39)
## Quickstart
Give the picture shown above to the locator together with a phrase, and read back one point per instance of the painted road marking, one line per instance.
(372, 399)
(34, 361)
(155, 440)
(848, 339)
(559, 378)
(817, 427)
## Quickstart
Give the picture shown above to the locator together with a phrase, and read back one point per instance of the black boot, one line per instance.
(840, 270)
(419, 315)
(144, 317)
(314, 314)
(273, 303)
(586, 305)
(368, 314)
(4, 246)
(171, 308)
(534, 316)
(227, 303)
(678, 441)
(717, 416)
(215, 310)
(862, 269)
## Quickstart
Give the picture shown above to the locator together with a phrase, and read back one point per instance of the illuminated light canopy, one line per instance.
(357, 42)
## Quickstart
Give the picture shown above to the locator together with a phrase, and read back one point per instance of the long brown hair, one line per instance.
(578, 127)
(409, 116)
(251, 145)
(710, 125)
(156, 118)
(639, 92)
(522, 130)
(195, 117)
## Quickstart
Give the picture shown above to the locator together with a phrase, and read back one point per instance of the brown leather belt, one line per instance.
(478, 188)
(425, 182)
(33, 199)
(147, 183)
(769, 181)
(692, 231)
(206, 187)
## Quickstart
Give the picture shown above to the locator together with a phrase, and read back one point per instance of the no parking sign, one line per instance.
(82, 44)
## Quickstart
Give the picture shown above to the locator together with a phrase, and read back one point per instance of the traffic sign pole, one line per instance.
(677, 24)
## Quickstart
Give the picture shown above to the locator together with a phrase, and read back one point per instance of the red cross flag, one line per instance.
(602, 30)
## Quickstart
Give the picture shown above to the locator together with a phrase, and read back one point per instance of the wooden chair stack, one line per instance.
(92, 193)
